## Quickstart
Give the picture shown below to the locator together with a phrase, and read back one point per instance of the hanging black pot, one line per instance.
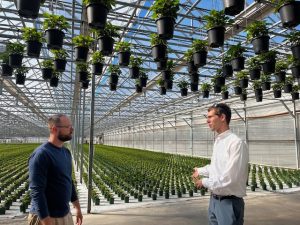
(194, 86)
(83, 76)
(266, 86)
(138, 88)
(238, 64)
(54, 81)
(191, 67)
(60, 65)
(225, 95)
(20, 78)
(233, 7)
(216, 37)
(106, 45)
(183, 91)
(47, 73)
(114, 78)
(243, 97)
(289, 14)
(15, 60)
(6, 70)
(124, 58)
(237, 90)
(161, 65)
(205, 94)
(296, 51)
(165, 27)
(220, 81)
(143, 81)
(295, 95)
(166, 74)
(34, 48)
(254, 74)
(194, 78)
(112, 86)
(217, 89)
(258, 98)
(258, 94)
(287, 88)
(54, 38)
(97, 68)
(162, 90)
(28, 8)
(227, 70)
(277, 93)
(280, 77)
(268, 67)
(244, 83)
(96, 15)
(81, 53)
(260, 44)
(200, 58)
(85, 84)
(134, 72)
(159, 52)
(168, 84)
(296, 71)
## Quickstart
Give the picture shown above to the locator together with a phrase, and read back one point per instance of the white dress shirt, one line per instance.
(228, 172)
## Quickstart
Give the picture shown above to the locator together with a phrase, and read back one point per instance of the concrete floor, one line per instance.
(262, 208)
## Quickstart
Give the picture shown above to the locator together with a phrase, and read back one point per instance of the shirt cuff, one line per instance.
(205, 182)
(199, 171)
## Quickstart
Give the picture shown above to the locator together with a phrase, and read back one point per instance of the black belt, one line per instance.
(221, 197)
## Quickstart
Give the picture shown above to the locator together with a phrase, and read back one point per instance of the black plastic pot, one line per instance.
(28, 8)
(266, 86)
(85, 84)
(143, 81)
(124, 58)
(258, 94)
(200, 58)
(243, 97)
(244, 83)
(227, 70)
(277, 93)
(183, 91)
(233, 7)
(168, 84)
(20, 78)
(112, 86)
(205, 94)
(83, 76)
(138, 88)
(114, 78)
(194, 78)
(54, 81)
(165, 27)
(134, 72)
(81, 53)
(296, 51)
(194, 86)
(162, 90)
(280, 77)
(287, 88)
(161, 65)
(220, 81)
(216, 37)
(296, 71)
(237, 90)
(15, 60)
(97, 68)
(47, 73)
(254, 74)
(260, 44)
(166, 74)
(96, 15)
(54, 38)
(225, 95)
(217, 89)
(238, 64)
(159, 52)
(295, 95)
(269, 67)
(34, 48)
(289, 14)
(106, 45)
(191, 67)
(6, 70)
(60, 65)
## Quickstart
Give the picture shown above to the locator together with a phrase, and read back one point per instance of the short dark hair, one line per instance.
(222, 108)
(55, 119)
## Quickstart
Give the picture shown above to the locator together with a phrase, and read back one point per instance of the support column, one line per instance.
(175, 135)
(296, 129)
(78, 132)
(82, 136)
(192, 134)
(153, 135)
(163, 141)
(246, 125)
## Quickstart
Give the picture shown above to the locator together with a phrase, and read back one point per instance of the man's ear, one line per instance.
(223, 117)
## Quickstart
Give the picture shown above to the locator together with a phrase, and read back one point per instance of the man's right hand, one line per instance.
(195, 174)
(47, 221)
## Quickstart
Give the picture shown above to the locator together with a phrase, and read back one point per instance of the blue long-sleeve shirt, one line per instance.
(50, 179)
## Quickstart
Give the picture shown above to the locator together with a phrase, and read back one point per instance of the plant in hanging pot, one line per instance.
(6, 68)
(268, 61)
(294, 65)
(293, 39)
(21, 74)
(218, 81)
(265, 81)
(227, 67)
(15, 53)
(205, 88)
(199, 48)
(138, 86)
(257, 34)
(188, 57)
(60, 59)
(106, 38)
(47, 69)
(143, 77)
(183, 85)
(97, 60)
(97, 11)
(215, 25)
(82, 43)
(277, 90)
(161, 83)
(280, 70)
(28, 8)
(243, 96)
(237, 87)
(34, 40)
(123, 47)
(82, 68)
(134, 66)
(194, 81)
(295, 92)
(288, 84)
(233, 7)
(257, 90)
(235, 55)
(242, 76)
(254, 68)
(224, 91)
(54, 79)
(114, 76)
(159, 47)
(54, 25)
(288, 11)
(165, 14)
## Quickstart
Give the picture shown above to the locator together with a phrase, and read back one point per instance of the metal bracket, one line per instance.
(288, 109)
(239, 115)
(189, 124)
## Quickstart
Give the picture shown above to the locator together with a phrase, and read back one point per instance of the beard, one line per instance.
(64, 138)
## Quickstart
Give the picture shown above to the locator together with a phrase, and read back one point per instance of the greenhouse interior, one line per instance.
(137, 80)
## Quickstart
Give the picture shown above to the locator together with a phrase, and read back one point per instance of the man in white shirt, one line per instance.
(227, 174)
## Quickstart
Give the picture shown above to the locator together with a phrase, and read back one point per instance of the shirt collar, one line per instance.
(224, 134)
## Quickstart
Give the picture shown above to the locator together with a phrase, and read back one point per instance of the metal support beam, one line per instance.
(239, 114)
(296, 131)
(288, 109)
(82, 136)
